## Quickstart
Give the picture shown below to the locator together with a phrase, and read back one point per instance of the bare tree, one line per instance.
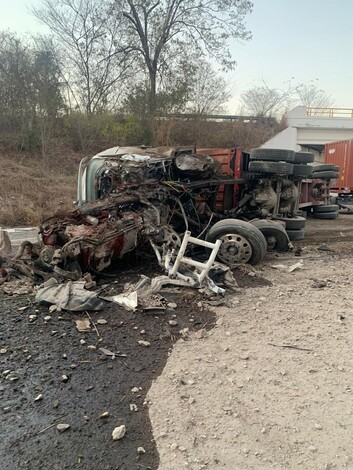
(30, 92)
(88, 33)
(209, 91)
(162, 30)
(313, 97)
(265, 101)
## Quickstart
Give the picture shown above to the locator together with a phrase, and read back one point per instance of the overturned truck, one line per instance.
(128, 196)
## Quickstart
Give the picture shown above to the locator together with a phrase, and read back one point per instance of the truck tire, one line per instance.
(272, 155)
(327, 208)
(241, 242)
(330, 174)
(303, 157)
(302, 170)
(325, 215)
(275, 234)
(325, 167)
(278, 168)
(296, 235)
(294, 223)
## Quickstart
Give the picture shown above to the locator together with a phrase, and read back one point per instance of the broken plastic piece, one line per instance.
(128, 301)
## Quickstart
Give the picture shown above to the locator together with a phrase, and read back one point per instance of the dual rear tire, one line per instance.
(247, 242)
(327, 212)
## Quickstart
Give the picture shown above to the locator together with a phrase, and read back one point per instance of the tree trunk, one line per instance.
(152, 100)
(152, 108)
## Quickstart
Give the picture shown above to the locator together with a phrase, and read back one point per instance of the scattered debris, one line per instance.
(3, 351)
(325, 247)
(201, 333)
(289, 269)
(63, 427)
(144, 343)
(101, 321)
(289, 346)
(83, 325)
(39, 397)
(105, 414)
(298, 251)
(12, 376)
(18, 287)
(22, 309)
(141, 450)
(319, 284)
(119, 432)
(128, 301)
(107, 352)
(70, 296)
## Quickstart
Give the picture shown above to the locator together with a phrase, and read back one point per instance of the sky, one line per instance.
(293, 40)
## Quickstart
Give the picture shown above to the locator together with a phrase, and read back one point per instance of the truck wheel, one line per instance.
(241, 242)
(278, 168)
(326, 174)
(272, 155)
(326, 167)
(303, 157)
(275, 234)
(296, 235)
(294, 223)
(302, 170)
(325, 215)
(327, 208)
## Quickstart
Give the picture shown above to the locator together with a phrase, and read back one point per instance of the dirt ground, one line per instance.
(271, 386)
(263, 380)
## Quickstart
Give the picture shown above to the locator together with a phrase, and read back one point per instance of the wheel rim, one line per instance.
(271, 242)
(234, 249)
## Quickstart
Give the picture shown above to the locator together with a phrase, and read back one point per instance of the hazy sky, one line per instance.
(298, 40)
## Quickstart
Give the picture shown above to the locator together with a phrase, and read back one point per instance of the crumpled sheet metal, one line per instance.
(70, 296)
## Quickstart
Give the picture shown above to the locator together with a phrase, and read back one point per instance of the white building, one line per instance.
(309, 129)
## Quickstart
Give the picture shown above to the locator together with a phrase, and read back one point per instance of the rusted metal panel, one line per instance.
(341, 153)
(226, 158)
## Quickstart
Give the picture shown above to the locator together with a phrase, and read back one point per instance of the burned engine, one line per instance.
(132, 195)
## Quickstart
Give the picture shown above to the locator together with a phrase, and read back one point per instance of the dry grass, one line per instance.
(32, 189)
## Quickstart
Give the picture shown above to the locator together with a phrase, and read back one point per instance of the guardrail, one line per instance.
(330, 112)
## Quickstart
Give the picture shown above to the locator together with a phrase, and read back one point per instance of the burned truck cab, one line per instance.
(131, 195)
